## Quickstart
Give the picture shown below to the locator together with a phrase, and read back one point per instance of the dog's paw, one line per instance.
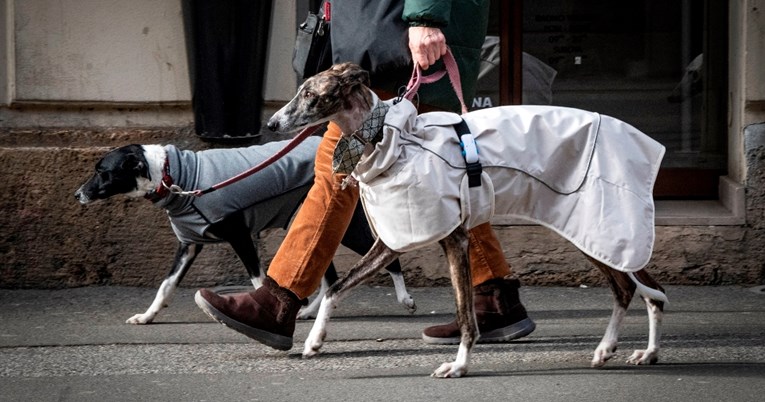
(450, 370)
(308, 312)
(603, 354)
(306, 315)
(410, 305)
(312, 344)
(312, 309)
(647, 356)
(310, 351)
(140, 319)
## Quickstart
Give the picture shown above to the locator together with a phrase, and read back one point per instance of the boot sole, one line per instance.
(273, 340)
(506, 334)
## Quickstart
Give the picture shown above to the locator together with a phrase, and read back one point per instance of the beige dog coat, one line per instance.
(586, 176)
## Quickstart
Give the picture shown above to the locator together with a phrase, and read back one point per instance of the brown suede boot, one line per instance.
(267, 314)
(501, 316)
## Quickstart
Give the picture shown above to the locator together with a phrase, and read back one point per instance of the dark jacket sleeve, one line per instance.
(434, 13)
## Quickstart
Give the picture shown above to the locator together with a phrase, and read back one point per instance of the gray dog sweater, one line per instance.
(268, 198)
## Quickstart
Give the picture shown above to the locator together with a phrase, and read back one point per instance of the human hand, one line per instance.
(427, 45)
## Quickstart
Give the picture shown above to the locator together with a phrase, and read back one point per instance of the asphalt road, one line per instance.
(73, 345)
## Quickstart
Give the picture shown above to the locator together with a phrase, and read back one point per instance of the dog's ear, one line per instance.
(135, 163)
(352, 75)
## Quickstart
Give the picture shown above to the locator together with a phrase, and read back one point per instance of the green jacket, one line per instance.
(373, 34)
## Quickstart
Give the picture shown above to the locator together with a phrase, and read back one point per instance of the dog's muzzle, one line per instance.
(80, 196)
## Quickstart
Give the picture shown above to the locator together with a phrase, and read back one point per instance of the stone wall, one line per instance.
(48, 240)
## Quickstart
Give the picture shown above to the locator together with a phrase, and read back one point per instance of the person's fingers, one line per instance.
(427, 45)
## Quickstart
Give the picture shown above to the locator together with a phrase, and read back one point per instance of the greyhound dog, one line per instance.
(585, 176)
(231, 214)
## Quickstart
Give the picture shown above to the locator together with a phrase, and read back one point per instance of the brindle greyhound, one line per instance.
(341, 95)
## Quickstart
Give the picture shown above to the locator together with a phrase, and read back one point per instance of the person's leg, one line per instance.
(268, 314)
(318, 227)
(501, 316)
(487, 261)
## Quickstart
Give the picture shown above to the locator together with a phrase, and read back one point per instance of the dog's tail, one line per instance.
(645, 291)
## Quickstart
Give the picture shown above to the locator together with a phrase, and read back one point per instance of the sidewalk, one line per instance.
(73, 345)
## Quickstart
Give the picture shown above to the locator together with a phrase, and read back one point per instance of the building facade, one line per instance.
(79, 77)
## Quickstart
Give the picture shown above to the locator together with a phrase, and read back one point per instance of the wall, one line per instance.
(100, 50)
(6, 51)
(110, 62)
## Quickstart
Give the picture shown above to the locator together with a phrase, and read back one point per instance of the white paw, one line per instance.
(312, 345)
(140, 319)
(308, 312)
(603, 354)
(409, 303)
(450, 370)
(647, 356)
(310, 351)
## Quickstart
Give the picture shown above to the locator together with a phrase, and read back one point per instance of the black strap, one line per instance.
(473, 169)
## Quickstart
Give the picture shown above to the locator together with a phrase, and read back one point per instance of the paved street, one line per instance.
(73, 345)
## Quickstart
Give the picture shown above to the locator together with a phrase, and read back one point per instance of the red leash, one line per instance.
(249, 172)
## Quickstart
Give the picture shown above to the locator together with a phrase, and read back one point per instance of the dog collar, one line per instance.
(163, 188)
(349, 149)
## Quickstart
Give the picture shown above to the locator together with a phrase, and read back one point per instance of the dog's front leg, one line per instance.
(183, 258)
(377, 258)
(359, 238)
(456, 248)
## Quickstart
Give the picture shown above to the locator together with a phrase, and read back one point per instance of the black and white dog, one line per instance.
(231, 214)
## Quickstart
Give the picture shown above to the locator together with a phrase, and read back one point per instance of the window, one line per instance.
(660, 65)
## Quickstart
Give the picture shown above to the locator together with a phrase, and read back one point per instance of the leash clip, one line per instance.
(177, 190)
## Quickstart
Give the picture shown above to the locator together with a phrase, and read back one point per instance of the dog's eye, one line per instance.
(308, 94)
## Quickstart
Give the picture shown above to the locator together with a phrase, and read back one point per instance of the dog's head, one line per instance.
(321, 98)
(121, 171)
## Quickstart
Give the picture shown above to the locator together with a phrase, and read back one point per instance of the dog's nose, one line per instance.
(81, 197)
(273, 125)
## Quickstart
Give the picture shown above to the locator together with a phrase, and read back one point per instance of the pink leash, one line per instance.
(454, 76)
